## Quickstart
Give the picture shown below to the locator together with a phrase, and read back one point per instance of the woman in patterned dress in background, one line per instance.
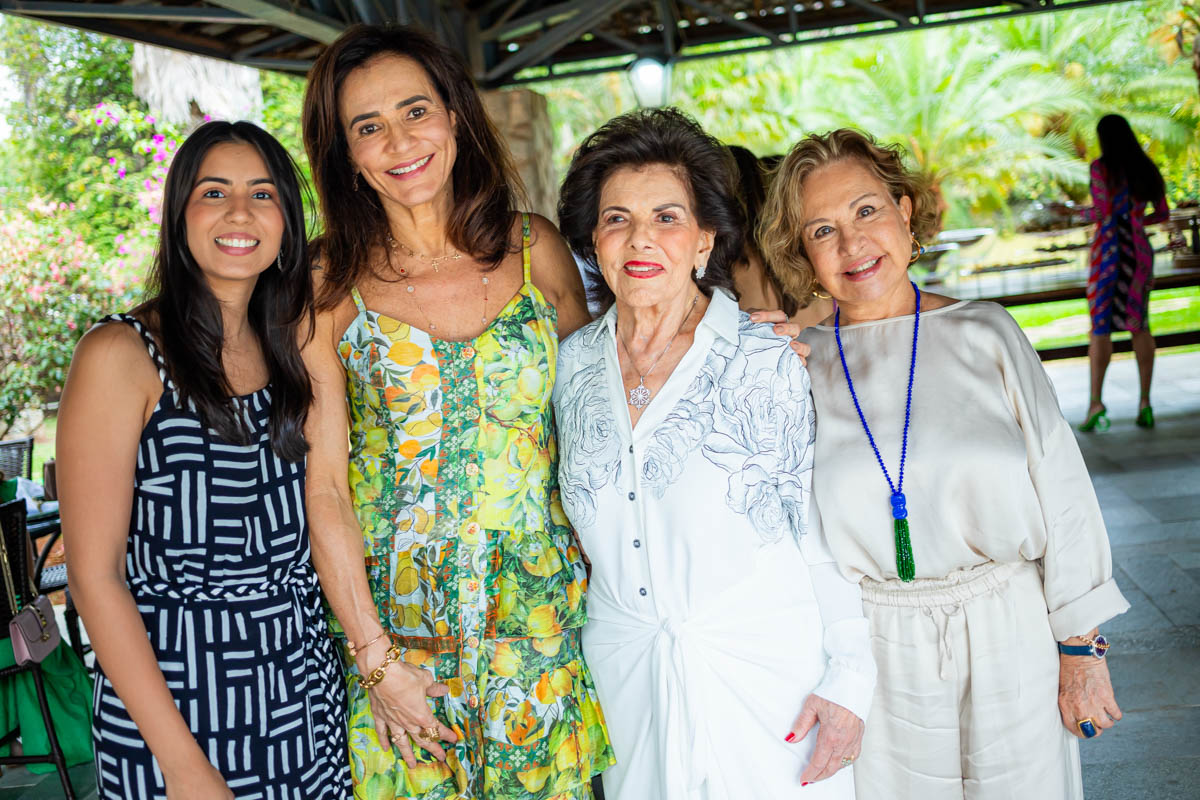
(181, 473)
(461, 635)
(1124, 181)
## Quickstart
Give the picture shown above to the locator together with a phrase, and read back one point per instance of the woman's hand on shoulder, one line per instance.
(556, 276)
(786, 328)
(839, 737)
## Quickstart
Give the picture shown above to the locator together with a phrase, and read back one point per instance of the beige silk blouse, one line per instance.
(993, 471)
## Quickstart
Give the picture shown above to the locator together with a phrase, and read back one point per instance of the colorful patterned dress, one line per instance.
(1122, 260)
(474, 570)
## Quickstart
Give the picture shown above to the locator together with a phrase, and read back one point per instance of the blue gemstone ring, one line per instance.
(1087, 728)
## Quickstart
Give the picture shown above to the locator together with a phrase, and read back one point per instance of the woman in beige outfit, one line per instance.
(950, 486)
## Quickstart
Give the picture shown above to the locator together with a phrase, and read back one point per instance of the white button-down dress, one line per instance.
(713, 611)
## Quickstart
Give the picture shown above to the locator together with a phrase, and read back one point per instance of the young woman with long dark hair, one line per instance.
(1124, 182)
(181, 456)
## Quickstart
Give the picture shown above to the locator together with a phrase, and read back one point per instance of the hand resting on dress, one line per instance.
(839, 735)
(204, 782)
(398, 704)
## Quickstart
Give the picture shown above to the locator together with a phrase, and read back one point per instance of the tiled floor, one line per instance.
(1149, 485)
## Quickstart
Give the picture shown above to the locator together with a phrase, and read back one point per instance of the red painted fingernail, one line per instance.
(791, 737)
(806, 783)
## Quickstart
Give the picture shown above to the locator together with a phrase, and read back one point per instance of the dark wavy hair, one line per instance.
(485, 184)
(187, 317)
(1125, 160)
(643, 138)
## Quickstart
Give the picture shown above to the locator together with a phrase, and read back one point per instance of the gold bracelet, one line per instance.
(354, 649)
(393, 655)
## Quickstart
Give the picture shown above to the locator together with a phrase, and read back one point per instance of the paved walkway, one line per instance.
(1149, 486)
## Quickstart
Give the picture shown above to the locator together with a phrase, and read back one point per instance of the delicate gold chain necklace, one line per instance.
(433, 261)
(639, 396)
(431, 326)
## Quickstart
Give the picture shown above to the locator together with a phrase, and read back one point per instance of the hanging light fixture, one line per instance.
(650, 77)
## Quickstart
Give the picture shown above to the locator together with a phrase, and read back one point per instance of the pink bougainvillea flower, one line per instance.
(112, 162)
(150, 120)
(121, 172)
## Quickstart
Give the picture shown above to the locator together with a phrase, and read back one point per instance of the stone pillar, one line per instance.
(523, 119)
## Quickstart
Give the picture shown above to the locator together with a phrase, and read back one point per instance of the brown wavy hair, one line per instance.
(779, 229)
(485, 185)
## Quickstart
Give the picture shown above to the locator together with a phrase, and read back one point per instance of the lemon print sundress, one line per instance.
(469, 557)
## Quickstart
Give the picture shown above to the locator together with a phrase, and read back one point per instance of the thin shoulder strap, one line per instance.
(358, 301)
(525, 229)
(151, 346)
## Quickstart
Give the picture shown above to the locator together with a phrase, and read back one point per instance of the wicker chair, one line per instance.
(16, 458)
(16, 543)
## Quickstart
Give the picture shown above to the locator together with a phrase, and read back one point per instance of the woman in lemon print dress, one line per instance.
(440, 310)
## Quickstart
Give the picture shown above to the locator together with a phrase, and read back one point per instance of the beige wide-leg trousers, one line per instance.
(966, 704)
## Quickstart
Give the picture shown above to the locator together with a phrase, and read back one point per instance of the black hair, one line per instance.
(1125, 161)
(642, 138)
(752, 191)
(186, 314)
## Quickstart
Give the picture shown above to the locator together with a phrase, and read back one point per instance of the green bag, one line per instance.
(69, 695)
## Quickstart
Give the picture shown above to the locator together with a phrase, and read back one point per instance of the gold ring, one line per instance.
(395, 737)
(430, 733)
(847, 760)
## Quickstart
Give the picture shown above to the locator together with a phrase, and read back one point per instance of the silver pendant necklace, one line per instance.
(639, 396)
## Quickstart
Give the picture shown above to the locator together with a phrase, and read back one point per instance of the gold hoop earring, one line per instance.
(355, 182)
(817, 294)
(918, 248)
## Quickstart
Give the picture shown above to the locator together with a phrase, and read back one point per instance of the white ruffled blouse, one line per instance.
(713, 610)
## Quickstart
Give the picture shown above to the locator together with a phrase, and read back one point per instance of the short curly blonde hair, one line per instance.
(779, 228)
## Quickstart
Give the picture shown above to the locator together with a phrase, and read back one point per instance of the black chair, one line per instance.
(16, 458)
(16, 545)
(54, 579)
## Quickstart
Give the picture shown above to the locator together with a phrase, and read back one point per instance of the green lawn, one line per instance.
(1066, 322)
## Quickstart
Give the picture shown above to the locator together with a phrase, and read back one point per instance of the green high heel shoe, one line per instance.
(1099, 422)
(1145, 418)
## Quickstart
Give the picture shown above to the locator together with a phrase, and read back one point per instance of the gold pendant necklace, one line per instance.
(433, 261)
(431, 326)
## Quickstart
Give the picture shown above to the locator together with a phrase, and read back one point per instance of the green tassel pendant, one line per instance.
(905, 565)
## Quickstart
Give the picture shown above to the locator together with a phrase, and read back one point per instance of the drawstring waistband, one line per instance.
(941, 598)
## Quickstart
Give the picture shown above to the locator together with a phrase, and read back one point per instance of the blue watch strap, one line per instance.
(1097, 647)
(1076, 650)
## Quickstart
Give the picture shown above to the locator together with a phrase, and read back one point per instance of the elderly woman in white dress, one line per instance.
(732, 658)
(949, 484)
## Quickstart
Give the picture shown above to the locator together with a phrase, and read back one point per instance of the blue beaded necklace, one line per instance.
(905, 565)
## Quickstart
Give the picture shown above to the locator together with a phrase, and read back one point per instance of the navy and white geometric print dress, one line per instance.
(218, 562)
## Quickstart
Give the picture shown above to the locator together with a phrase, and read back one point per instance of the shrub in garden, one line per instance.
(53, 286)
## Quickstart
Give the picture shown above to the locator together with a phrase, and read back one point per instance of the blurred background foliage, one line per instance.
(999, 115)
